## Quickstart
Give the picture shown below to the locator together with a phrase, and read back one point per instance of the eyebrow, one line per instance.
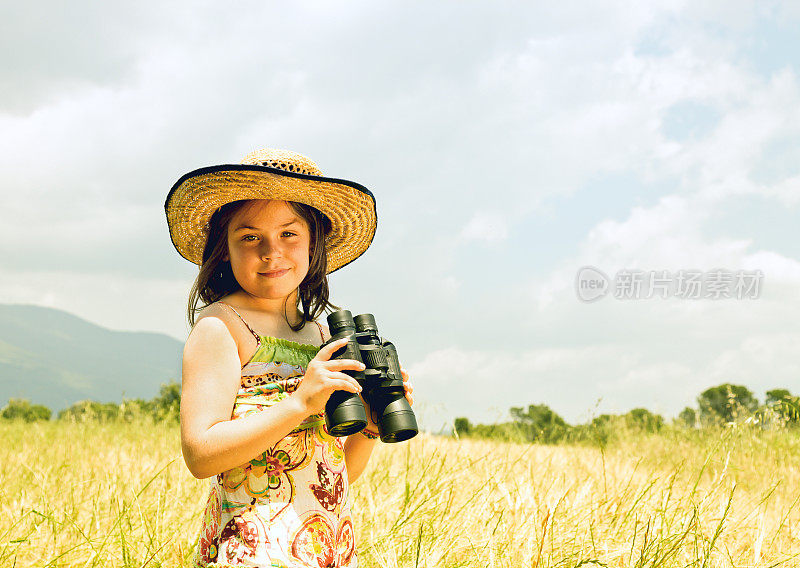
(241, 227)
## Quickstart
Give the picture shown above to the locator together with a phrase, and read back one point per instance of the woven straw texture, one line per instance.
(350, 208)
(283, 160)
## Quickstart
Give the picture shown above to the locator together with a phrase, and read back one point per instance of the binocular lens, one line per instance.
(366, 322)
(339, 321)
(347, 428)
(345, 414)
(397, 422)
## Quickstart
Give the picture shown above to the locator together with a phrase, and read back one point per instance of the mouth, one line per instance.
(274, 273)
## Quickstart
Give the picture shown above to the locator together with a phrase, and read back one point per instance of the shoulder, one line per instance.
(212, 315)
(215, 320)
(216, 310)
(211, 319)
(210, 339)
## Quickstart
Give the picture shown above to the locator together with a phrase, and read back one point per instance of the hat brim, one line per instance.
(349, 206)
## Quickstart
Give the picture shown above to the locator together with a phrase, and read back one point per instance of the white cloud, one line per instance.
(761, 361)
(481, 384)
(669, 236)
(579, 383)
(486, 227)
(787, 192)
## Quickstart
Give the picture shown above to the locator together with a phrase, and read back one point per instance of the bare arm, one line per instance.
(358, 448)
(211, 441)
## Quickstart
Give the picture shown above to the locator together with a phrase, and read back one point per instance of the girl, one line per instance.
(255, 380)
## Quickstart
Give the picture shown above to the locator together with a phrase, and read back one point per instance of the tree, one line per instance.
(166, 406)
(22, 409)
(134, 409)
(85, 410)
(602, 429)
(784, 404)
(461, 426)
(644, 420)
(688, 418)
(539, 423)
(725, 403)
(776, 396)
(168, 402)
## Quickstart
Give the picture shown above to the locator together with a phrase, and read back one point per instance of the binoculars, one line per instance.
(381, 382)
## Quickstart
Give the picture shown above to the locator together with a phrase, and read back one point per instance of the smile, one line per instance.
(274, 273)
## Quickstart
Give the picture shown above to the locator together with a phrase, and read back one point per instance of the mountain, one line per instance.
(55, 358)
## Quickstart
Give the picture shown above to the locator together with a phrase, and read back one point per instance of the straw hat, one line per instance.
(272, 174)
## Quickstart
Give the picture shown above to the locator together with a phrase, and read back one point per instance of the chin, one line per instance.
(274, 293)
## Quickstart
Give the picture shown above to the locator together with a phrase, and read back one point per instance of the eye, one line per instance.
(246, 238)
(288, 234)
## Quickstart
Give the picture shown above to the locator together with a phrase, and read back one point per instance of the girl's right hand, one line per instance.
(324, 376)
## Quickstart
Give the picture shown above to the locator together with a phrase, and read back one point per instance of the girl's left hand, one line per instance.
(408, 386)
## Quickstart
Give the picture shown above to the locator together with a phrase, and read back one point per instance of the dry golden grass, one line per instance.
(119, 495)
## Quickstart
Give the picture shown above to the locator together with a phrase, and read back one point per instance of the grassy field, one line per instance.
(120, 495)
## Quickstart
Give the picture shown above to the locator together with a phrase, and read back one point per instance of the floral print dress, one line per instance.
(288, 507)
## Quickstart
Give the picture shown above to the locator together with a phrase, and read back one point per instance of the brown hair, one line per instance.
(216, 280)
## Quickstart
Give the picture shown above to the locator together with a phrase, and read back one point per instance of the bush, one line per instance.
(687, 418)
(22, 409)
(539, 423)
(85, 410)
(644, 420)
(784, 405)
(726, 403)
(462, 427)
(166, 406)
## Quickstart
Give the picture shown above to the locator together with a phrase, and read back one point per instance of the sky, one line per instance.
(508, 144)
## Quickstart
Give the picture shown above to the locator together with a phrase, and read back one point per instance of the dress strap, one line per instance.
(258, 338)
(322, 335)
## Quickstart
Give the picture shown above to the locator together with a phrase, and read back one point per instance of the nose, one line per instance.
(269, 249)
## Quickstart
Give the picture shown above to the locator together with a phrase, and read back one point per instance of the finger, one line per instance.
(354, 388)
(409, 388)
(325, 353)
(344, 365)
(340, 378)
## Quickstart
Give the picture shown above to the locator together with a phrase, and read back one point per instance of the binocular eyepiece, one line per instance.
(381, 382)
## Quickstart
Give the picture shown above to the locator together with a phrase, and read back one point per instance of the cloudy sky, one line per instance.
(508, 146)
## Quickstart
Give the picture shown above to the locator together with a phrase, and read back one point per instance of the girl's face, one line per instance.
(268, 248)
